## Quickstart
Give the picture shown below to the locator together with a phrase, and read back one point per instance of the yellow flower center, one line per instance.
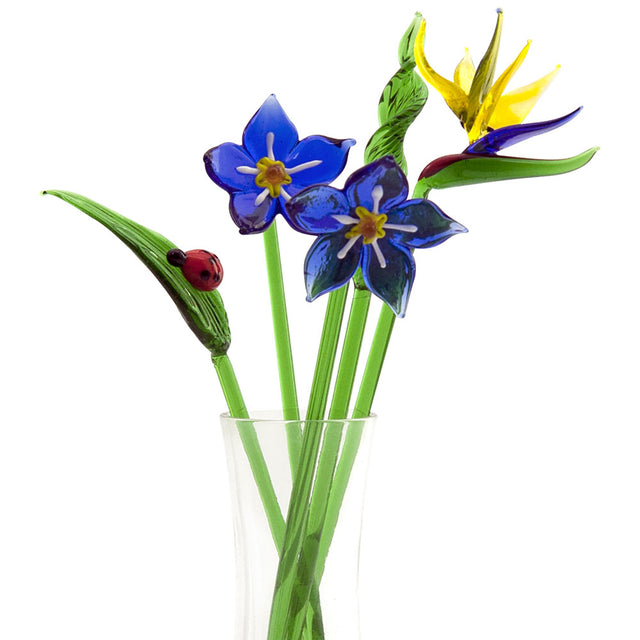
(272, 175)
(369, 227)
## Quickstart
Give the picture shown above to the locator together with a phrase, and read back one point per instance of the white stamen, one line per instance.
(345, 219)
(285, 195)
(343, 252)
(254, 171)
(261, 197)
(270, 139)
(376, 195)
(378, 252)
(409, 228)
(303, 166)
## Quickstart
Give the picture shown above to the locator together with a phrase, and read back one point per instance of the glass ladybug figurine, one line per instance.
(202, 269)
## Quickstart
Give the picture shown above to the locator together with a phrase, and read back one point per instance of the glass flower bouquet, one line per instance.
(366, 235)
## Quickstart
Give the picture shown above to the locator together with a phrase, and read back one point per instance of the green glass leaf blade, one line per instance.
(203, 311)
(401, 101)
(465, 169)
(483, 78)
(407, 42)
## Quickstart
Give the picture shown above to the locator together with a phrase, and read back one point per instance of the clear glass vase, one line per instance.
(297, 492)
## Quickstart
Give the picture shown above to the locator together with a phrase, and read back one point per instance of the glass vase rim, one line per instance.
(275, 416)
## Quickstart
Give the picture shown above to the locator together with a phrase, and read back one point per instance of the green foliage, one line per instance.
(470, 169)
(402, 100)
(203, 311)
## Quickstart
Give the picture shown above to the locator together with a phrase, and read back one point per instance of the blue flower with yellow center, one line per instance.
(368, 224)
(271, 166)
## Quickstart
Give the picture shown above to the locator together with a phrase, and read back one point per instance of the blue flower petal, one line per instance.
(250, 218)
(270, 118)
(433, 225)
(504, 137)
(312, 210)
(323, 270)
(333, 154)
(393, 283)
(221, 164)
(385, 173)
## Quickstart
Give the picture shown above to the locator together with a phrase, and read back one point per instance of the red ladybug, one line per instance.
(201, 268)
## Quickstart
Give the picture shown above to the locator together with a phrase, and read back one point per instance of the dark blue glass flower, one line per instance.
(369, 224)
(271, 166)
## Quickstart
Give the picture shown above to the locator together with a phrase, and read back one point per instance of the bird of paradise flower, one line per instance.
(481, 104)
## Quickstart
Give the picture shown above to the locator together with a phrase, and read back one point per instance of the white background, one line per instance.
(503, 492)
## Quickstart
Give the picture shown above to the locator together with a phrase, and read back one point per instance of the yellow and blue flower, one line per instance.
(480, 103)
(368, 224)
(271, 166)
(480, 161)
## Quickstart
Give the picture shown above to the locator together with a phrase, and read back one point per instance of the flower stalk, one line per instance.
(286, 374)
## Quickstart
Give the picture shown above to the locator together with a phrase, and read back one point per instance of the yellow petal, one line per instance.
(454, 96)
(463, 75)
(479, 126)
(514, 106)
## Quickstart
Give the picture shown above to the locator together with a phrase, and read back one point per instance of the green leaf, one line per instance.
(203, 311)
(470, 169)
(405, 48)
(402, 100)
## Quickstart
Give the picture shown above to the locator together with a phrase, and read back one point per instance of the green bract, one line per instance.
(463, 169)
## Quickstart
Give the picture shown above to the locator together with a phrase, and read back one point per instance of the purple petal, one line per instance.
(332, 154)
(270, 118)
(312, 210)
(384, 173)
(221, 164)
(250, 218)
(393, 283)
(323, 270)
(504, 137)
(433, 226)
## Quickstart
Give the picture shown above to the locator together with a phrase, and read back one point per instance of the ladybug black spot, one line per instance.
(205, 275)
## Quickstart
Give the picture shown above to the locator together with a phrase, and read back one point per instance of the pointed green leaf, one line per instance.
(483, 78)
(405, 48)
(203, 311)
(402, 100)
(465, 169)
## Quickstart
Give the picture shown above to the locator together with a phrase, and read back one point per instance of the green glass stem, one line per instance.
(288, 392)
(249, 438)
(350, 353)
(373, 368)
(353, 436)
(289, 609)
(326, 353)
(247, 432)
(317, 532)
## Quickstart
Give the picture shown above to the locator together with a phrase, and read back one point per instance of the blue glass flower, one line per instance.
(271, 166)
(369, 224)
